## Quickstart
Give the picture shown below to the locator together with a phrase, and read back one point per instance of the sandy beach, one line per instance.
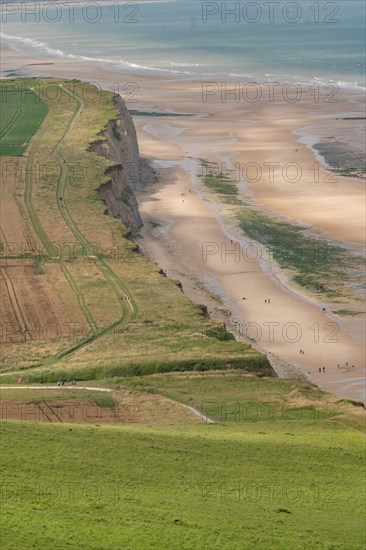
(265, 143)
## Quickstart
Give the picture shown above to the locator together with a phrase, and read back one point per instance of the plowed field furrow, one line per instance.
(20, 319)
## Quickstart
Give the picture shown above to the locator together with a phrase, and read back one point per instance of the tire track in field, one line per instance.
(13, 300)
(80, 298)
(23, 327)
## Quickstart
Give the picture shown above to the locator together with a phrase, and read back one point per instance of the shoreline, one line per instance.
(118, 67)
(219, 131)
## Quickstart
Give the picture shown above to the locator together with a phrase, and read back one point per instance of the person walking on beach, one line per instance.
(320, 370)
(323, 369)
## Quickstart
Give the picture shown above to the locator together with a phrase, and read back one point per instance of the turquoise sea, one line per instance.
(262, 40)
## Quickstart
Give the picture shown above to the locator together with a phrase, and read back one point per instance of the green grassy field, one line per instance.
(284, 481)
(22, 112)
(172, 488)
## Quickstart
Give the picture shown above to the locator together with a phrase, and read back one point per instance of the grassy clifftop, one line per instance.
(83, 302)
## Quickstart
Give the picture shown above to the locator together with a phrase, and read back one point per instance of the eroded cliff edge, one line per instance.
(129, 174)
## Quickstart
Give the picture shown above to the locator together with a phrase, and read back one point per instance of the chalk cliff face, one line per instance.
(128, 175)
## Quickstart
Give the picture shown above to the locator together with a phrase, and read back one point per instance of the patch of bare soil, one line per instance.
(129, 409)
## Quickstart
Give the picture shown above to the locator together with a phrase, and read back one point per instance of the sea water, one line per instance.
(301, 41)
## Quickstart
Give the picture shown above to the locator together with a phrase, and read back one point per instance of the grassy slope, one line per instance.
(281, 481)
(238, 397)
(234, 487)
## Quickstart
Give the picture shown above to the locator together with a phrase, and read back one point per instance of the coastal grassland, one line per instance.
(272, 483)
(22, 112)
(326, 268)
(176, 335)
(236, 397)
(123, 316)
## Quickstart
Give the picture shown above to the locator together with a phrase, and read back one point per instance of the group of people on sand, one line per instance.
(320, 370)
(266, 301)
(346, 366)
(183, 195)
